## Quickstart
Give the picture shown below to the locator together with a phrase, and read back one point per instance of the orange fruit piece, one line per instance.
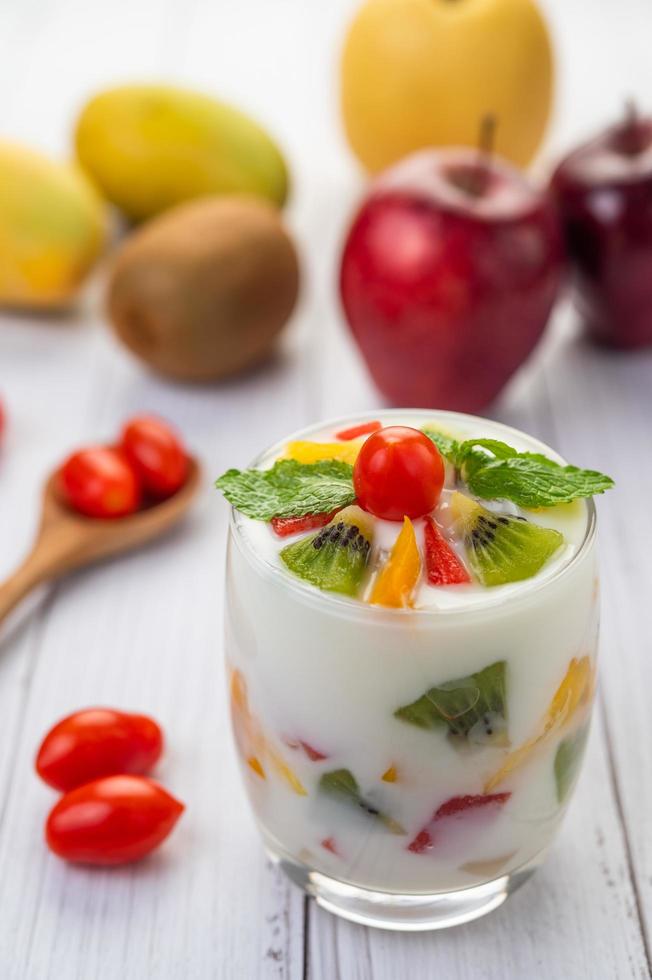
(574, 692)
(252, 742)
(284, 771)
(312, 452)
(255, 764)
(400, 573)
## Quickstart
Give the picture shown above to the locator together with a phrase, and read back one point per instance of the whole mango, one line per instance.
(202, 291)
(423, 73)
(149, 147)
(53, 227)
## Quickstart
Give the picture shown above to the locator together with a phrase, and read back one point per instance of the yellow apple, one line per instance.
(419, 73)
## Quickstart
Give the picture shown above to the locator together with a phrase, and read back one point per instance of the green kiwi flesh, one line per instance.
(502, 548)
(336, 557)
(473, 708)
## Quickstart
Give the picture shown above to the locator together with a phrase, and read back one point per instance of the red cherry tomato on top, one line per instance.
(112, 820)
(399, 473)
(98, 742)
(100, 482)
(156, 453)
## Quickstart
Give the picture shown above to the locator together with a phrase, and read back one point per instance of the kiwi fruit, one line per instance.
(336, 557)
(501, 548)
(473, 708)
(341, 785)
(567, 761)
(202, 292)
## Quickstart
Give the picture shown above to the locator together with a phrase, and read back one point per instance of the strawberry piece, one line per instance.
(422, 842)
(454, 809)
(359, 430)
(313, 754)
(285, 526)
(460, 804)
(443, 567)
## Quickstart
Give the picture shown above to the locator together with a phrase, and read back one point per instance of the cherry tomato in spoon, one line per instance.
(399, 473)
(157, 455)
(111, 821)
(98, 742)
(100, 482)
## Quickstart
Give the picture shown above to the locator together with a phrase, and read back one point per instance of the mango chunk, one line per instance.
(254, 746)
(390, 775)
(400, 573)
(312, 452)
(574, 692)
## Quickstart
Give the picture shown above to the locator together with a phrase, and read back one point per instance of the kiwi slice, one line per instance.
(502, 548)
(473, 708)
(341, 785)
(567, 761)
(334, 559)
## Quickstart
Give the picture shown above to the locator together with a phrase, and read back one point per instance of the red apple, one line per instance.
(449, 273)
(604, 190)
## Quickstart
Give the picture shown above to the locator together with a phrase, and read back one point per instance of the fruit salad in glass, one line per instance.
(411, 634)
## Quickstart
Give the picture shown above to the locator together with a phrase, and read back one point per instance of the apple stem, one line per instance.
(487, 138)
(486, 142)
(630, 141)
(474, 180)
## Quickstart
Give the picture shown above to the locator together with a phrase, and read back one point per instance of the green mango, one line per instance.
(150, 147)
(53, 228)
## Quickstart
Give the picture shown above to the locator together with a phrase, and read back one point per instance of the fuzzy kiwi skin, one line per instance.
(202, 292)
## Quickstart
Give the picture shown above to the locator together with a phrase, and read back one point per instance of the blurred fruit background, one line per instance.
(121, 294)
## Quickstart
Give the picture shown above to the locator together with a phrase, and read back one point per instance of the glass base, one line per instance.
(407, 913)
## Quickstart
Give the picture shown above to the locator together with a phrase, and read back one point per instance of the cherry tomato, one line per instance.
(112, 820)
(398, 473)
(100, 482)
(157, 455)
(98, 742)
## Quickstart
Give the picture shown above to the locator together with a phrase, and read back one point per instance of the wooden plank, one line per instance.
(207, 905)
(144, 632)
(575, 918)
(609, 398)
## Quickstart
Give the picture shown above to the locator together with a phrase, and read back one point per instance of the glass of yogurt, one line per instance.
(411, 658)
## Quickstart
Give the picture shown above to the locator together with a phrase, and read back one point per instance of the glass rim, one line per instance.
(345, 606)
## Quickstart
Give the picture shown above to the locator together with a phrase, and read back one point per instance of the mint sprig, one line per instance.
(289, 489)
(493, 470)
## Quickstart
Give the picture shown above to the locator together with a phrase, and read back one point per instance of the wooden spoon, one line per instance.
(67, 540)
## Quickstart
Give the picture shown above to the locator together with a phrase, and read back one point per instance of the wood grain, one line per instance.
(144, 632)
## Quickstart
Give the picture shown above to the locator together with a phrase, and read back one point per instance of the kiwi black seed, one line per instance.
(336, 557)
(503, 548)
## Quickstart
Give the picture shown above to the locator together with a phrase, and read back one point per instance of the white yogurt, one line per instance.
(570, 519)
(330, 672)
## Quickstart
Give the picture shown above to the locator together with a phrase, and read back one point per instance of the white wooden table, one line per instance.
(145, 632)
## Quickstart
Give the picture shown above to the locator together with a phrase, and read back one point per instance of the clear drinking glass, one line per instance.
(384, 822)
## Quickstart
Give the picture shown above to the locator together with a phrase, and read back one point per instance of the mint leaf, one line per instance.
(532, 482)
(494, 470)
(447, 446)
(475, 453)
(289, 489)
